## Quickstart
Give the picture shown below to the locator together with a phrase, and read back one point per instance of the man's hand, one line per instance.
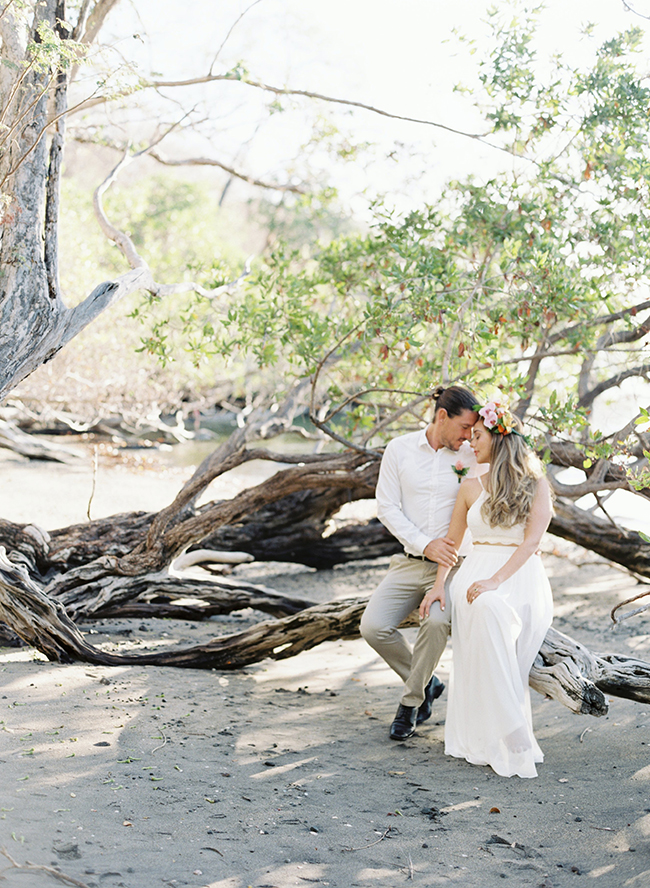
(443, 551)
(436, 593)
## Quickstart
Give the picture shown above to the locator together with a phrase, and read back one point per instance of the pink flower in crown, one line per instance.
(489, 415)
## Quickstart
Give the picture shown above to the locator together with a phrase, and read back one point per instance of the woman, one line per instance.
(501, 600)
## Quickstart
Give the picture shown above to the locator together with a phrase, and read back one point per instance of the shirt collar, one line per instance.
(423, 442)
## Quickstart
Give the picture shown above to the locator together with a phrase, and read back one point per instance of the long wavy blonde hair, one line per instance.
(512, 479)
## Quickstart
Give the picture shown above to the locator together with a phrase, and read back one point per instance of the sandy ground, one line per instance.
(283, 774)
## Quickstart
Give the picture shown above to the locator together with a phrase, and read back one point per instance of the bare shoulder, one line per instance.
(544, 493)
(470, 490)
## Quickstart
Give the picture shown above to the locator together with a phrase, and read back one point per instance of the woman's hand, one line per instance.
(436, 593)
(478, 587)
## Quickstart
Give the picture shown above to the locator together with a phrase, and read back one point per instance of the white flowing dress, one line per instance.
(495, 641)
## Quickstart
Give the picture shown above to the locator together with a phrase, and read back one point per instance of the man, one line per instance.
(416, 491)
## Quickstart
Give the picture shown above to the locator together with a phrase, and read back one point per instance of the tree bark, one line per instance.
(617, 544)
(26, 309)
(155, 595)
(34, 322)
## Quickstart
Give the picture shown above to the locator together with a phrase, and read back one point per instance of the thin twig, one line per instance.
(586, 731)
(359, 394)
(14, 90)
(208, 161)
(287, 91)
(340, 439)
(161, 745)
(633, 11)
(601, 504)
(395, 415)
(92, 489)
(209, 848)
(231, 29)
(41, 132)
(11, 3)
(44, 869)
(380, 839)
(638, 610)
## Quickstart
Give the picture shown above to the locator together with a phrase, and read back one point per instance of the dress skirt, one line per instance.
(495, 641)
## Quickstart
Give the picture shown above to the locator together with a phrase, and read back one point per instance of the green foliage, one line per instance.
(558, 414)
(643, 419)
(50, 52)
(640, 480)
(458, 295)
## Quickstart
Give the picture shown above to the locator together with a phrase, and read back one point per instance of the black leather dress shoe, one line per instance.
(404, 723)
(431, 693)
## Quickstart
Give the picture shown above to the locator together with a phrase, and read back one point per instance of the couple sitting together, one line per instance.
(498, 601)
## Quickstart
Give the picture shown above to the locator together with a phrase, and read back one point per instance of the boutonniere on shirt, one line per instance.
(460, 470)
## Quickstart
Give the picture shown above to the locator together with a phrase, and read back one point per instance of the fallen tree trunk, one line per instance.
(564, 669)
(617, 544)
(305, 542)
(273, 524)
(288, 517)
(292, 529)
(165, 596)
(12, 438)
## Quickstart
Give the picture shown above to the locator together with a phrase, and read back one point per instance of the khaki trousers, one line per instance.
(400, 593)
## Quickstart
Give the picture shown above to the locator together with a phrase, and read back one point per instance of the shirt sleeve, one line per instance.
(389, 505)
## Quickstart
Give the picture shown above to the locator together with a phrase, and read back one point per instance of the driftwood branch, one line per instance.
(40, 868)
(282, 519)
(12, 438)
(617, 544)
(564, 669)
(626, 616)
(190, 598)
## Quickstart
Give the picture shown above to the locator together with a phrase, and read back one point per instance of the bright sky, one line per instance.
(399, 55)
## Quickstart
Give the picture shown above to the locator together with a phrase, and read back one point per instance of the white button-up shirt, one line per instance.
(417, 489)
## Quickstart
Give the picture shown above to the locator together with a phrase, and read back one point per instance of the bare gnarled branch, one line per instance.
(209, 161)
(288, 91)
(589, 397)
(127, 247)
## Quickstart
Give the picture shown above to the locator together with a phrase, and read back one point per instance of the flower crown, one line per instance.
(497, 418)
